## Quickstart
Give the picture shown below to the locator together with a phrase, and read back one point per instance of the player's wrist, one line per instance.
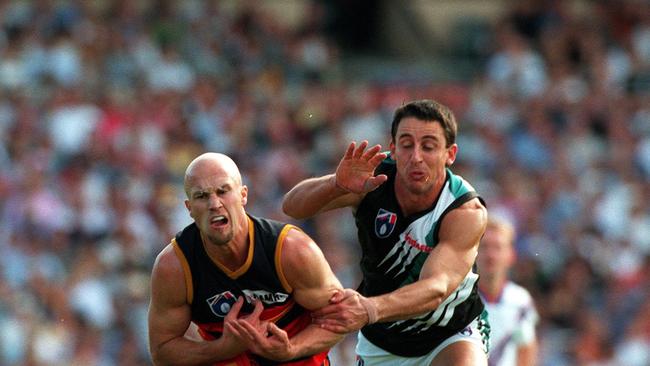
(371, 309)
(292, 353)
(337, 186)
(227, 347)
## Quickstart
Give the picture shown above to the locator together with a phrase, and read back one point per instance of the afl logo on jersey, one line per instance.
(220, 304)
(384, 223)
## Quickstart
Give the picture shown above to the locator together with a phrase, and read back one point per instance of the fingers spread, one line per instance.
(234, 330)
(350, 150)
(359, 151)
(253, 333)
(371, 153)
(377, 158)
(259, 307)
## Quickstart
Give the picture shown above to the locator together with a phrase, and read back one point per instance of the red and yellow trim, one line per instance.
(278, 257)
(272, 317)
(189, 289)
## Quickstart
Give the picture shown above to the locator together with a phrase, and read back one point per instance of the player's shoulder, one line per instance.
(167, 262)
(517, 294)
(473, 203)
(297, 246)
(168, 278)
(471, 211)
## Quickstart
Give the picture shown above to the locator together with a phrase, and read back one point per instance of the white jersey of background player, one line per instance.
(511, 310)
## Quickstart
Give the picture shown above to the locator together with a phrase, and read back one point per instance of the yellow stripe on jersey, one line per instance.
(278, 257)
(189, 289)
(284, 312)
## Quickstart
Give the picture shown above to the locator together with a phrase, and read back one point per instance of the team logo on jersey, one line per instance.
(220, 304)
(384, 223)
(268, 298)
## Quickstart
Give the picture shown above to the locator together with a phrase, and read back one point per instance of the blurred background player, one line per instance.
(511, 310)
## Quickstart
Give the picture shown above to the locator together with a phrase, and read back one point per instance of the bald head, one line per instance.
(209, 164)
(216, 198)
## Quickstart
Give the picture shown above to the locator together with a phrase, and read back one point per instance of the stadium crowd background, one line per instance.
(102, 105)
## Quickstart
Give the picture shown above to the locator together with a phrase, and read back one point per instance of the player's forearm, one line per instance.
(313, 340)
(182, 351)
(311, 196)
(409, 301)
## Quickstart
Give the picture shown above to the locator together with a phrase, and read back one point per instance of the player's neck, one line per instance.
(411, 202)
(233, 254)
(491, 287)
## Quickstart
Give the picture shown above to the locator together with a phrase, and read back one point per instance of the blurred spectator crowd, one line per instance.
(102, 105)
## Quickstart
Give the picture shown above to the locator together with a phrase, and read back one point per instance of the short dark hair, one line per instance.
(427, 110)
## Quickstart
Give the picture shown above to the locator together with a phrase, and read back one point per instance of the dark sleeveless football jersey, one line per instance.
(394, 248)
(212, 289)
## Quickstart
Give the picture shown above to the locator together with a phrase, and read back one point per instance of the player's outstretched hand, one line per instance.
(355, 172)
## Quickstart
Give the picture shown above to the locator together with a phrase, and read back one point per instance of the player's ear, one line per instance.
(391, 147)
(244, 195)
(451, 154)
(189, 209)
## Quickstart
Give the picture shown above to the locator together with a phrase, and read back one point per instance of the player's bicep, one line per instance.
(307, 271)
(169, 312)
(455, 253)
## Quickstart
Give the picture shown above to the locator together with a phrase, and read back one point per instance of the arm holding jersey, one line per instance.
(445, 268)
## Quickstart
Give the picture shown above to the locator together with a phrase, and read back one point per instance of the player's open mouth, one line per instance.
(417, 176)
(218, 221)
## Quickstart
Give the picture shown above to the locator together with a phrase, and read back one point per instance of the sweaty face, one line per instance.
(216, 203)
(420, 152)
